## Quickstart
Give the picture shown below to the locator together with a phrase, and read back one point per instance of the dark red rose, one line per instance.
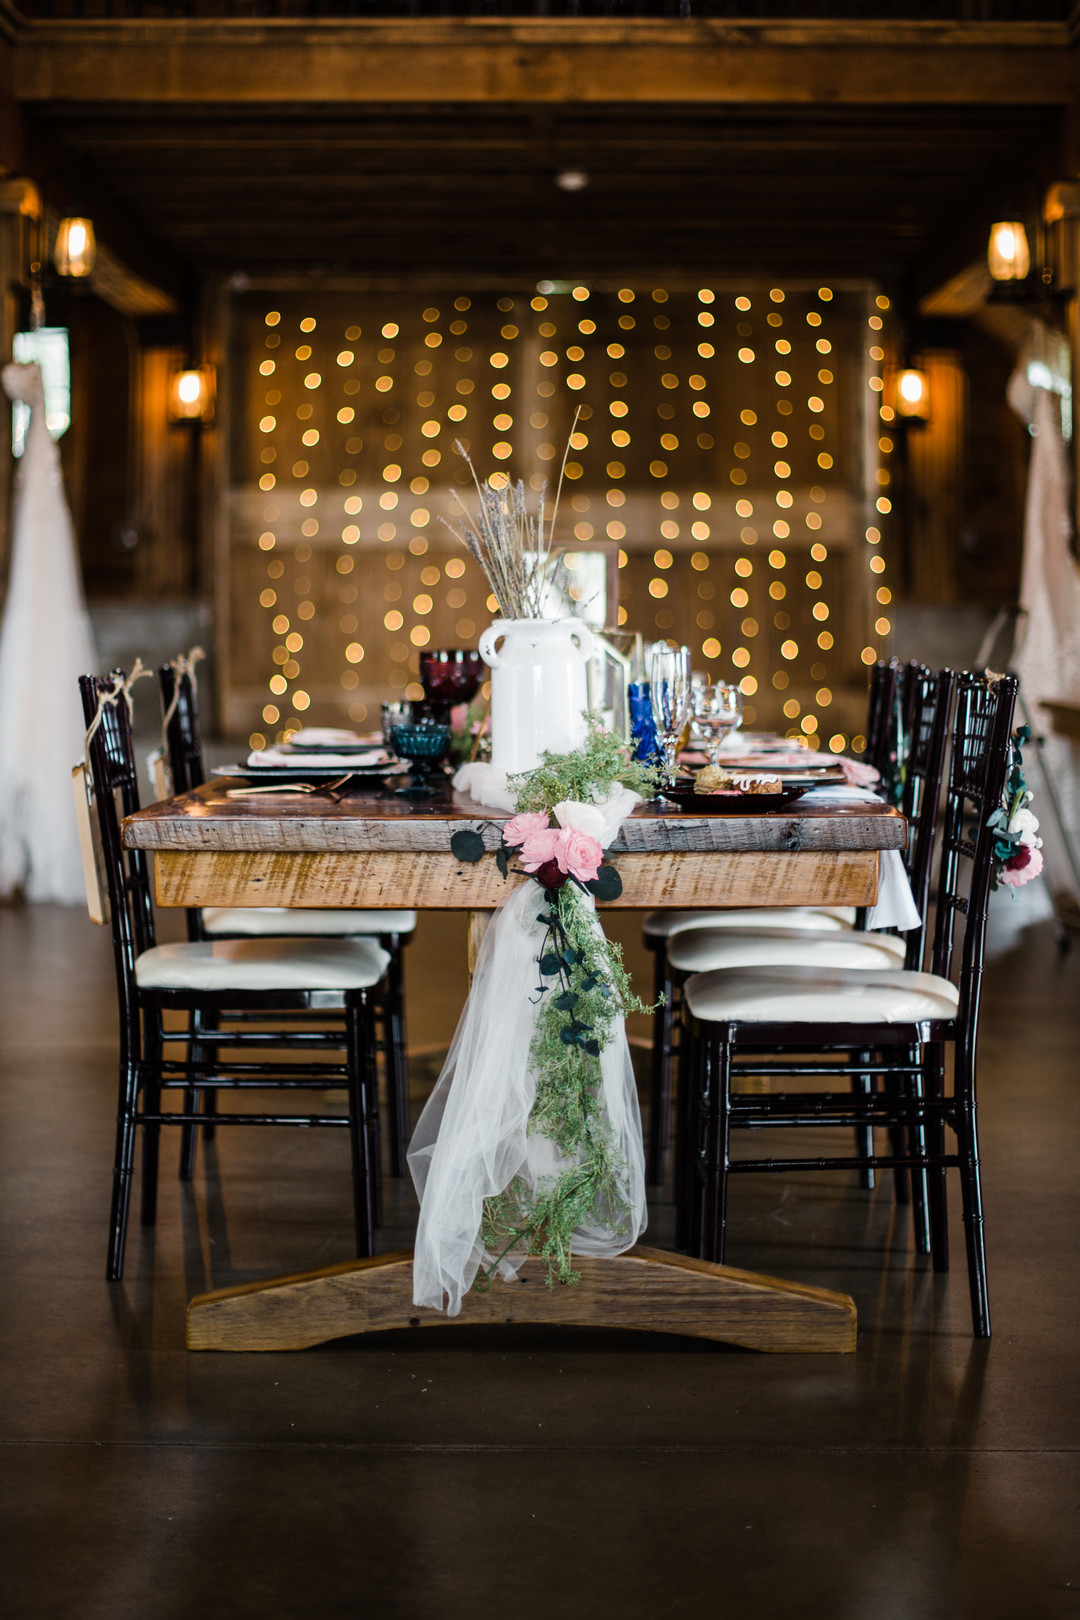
(549, 875)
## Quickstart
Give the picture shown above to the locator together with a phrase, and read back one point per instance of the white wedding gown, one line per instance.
(45, 644)
(1048, 659)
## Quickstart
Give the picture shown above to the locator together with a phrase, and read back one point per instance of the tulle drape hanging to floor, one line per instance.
(45, 645)
(473, 1137)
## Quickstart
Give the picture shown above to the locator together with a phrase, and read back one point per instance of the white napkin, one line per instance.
(895, 906)
(307, 762)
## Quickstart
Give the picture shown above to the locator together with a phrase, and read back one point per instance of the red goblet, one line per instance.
(449, 675)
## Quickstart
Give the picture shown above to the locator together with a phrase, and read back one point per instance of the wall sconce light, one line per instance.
(76, 247)
(192, 394)
(911, 394)
(1008, 254)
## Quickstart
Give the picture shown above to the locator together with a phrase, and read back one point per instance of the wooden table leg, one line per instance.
(645, 1289)
(479, 922)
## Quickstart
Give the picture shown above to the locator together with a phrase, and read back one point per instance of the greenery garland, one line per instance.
(583, 992)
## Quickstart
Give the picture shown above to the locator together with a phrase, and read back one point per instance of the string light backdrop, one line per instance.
(732, 443)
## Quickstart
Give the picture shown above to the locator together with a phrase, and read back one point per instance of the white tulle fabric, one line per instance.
(45, 644)
(486, 785)
(895, 905)
(472, 1138)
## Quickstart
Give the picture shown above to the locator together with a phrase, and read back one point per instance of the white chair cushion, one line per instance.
(663, 924)
(701, 950)
(291, 920)
(263, 964)
(804, 995)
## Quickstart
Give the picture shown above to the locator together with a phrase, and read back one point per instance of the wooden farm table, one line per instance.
(368, 852)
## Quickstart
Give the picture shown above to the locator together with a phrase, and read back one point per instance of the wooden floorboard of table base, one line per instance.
(645, 1290)
(374, 879)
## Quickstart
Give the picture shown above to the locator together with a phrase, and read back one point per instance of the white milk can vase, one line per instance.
(539, 691)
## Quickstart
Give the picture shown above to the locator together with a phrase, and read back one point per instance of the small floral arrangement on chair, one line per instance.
(1017, 847)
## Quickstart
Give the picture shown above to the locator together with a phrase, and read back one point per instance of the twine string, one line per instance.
(121, 688)
(181, 666)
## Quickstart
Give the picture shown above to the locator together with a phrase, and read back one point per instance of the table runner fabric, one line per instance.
(472, 1138)
(895, 905)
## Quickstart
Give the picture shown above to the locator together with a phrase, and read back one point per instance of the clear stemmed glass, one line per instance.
(717, 711)
(669, 675)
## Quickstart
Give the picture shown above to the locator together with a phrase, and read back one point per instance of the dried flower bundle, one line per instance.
(512, 545)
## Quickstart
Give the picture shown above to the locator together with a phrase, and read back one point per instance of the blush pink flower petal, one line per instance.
(540, 847)
(522, 827)
(1026, 864)
(580, 855)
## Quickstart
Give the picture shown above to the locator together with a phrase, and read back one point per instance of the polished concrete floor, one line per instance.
(476, 1473)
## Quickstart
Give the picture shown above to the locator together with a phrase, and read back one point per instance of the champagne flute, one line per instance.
(717, 711)
(669, 674)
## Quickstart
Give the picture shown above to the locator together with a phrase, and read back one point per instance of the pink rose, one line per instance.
(522, 827)
(1020, 868)
(540, 846)
(579, 854)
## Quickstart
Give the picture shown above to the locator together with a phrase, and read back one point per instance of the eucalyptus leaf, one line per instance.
(606, 885)
(467, 845)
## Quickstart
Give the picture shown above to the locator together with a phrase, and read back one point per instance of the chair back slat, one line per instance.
(183, 746)
(881, 717)
(928, 708)
(183, 738)
(982, 729)
(114, 774)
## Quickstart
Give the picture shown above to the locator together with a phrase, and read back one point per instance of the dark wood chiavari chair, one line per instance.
(392, 929)
(206, 982)
(904, 1019)
(891, 688)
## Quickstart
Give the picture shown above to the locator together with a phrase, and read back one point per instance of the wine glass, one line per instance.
(669, 673)
(717, 711)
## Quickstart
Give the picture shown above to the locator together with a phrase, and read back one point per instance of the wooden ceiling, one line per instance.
(435, 189)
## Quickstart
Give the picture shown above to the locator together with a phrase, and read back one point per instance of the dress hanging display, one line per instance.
(1048, 657)
(45, 645)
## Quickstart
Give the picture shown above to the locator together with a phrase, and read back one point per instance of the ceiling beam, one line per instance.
(468, 60)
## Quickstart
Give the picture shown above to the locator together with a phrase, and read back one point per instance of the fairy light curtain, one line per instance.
(733, 445)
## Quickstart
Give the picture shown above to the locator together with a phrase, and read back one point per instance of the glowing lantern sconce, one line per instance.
(192, 395)
(1008, 255)
(911, 394)
(76, 247)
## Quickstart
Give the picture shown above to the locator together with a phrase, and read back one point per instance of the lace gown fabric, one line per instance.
(472, 1138)
(1048, 659)
(45, 644)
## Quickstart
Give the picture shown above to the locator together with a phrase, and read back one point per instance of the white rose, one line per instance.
(1026, 825)
(582, 818)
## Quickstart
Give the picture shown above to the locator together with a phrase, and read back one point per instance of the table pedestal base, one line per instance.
(647, 1290)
